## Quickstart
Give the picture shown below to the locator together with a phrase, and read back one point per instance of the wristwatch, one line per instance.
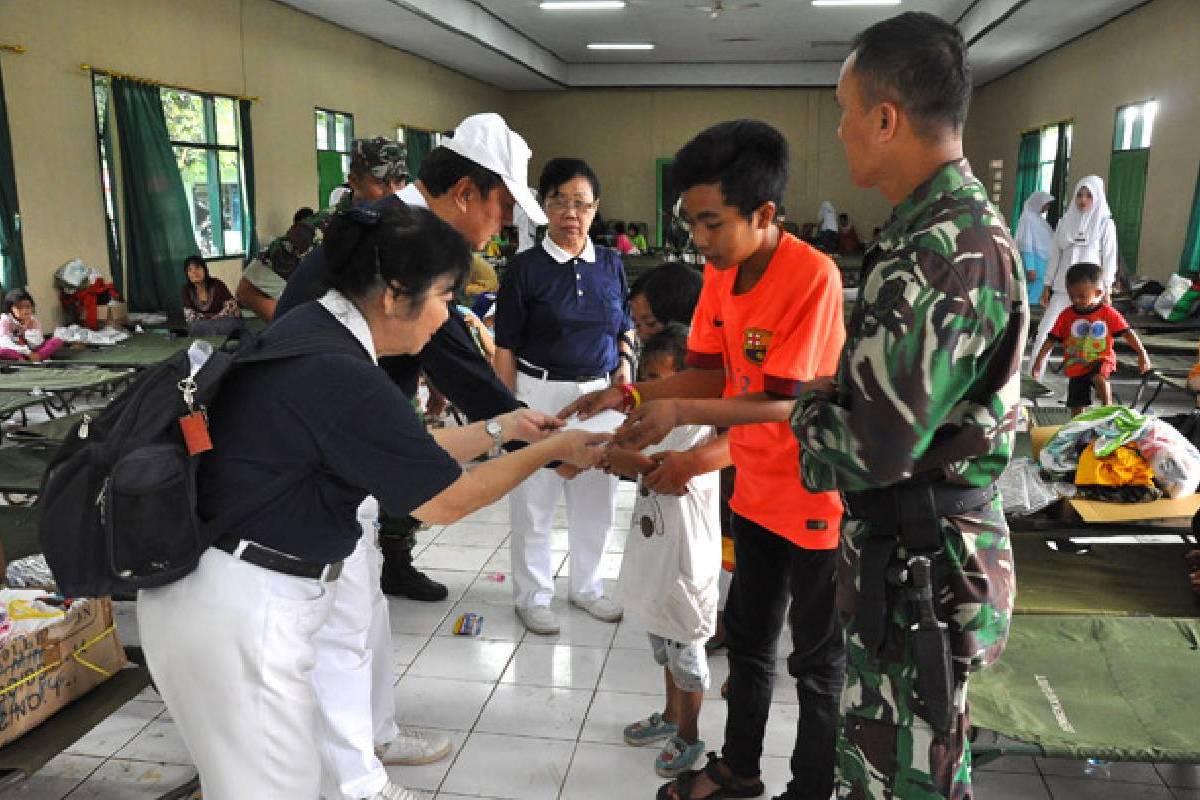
(494, 429)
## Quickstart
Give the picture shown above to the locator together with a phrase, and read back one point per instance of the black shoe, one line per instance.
(405, 580)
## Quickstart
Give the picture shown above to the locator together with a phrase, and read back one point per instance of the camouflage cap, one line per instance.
(380, 157)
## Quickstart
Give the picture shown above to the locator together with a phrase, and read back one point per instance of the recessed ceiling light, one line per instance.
(582, 5)
(620, 46)
(819, 3)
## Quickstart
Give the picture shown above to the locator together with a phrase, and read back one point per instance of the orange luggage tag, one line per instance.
(194, 425)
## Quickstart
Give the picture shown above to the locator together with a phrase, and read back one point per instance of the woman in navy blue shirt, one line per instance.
(230, 645)
(562, 330)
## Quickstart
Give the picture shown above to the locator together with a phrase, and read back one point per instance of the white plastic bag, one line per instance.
(1177, 285)
(72, 275)
(1175, 460)
(1022, 489)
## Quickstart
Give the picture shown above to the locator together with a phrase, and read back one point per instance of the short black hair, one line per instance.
(618, 227)
(1083, 272)
(633, 229)
(15, 296)
(746, 157)
(918, 62)
(672, 290)
(560, 170)
(443, 168)
(404, 246)
(302, 213)
(672, 341)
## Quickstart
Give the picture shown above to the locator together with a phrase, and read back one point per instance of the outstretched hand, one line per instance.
(593, 403)
(671, 472)
(581, 449)
(528, 425)
(648, 424)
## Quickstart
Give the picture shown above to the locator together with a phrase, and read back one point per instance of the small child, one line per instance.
(21, 337)
(672, 561)
(1087, 328)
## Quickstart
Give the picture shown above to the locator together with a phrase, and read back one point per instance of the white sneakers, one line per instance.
(538, 619)
(412, 748)
(393, 792)
(602, 608)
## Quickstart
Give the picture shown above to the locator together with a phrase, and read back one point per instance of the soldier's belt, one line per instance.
(911, 509)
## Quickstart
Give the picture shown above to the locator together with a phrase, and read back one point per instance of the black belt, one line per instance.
(267, 558)
(893, 504)
(554, 374)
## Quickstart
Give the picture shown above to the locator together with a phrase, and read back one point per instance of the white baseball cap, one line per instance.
(487, 140)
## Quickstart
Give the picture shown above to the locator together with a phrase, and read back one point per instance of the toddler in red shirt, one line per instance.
(1087, 329)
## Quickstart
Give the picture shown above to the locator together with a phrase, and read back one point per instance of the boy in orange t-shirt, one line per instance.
(769, 319)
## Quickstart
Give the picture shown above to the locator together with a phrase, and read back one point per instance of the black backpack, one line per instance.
(118, 502)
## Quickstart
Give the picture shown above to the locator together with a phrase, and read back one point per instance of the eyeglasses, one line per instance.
(558, 205)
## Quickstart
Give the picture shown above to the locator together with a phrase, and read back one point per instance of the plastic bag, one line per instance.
(72, 275)
(1177, 287)
(1175, 460)
(1108, 427)
(1022, 489)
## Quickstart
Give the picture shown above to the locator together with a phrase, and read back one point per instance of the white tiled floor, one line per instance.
(531, 717)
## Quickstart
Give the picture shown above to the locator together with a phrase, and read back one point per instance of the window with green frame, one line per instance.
(1134, 126)
(335, 134)
(205, 134)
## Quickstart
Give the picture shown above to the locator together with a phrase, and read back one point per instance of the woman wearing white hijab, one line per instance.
(1086, 233)
(827, 227)
(1034, 240)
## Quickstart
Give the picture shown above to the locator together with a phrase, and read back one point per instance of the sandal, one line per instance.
(725, 787)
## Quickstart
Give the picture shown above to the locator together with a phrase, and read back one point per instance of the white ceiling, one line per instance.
(515, 45)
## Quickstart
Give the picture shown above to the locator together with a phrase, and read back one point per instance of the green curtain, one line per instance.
(1189, 261)
(158, 228)
(10, 212)
(1126, 191)
(1058, 178)
(1027, 174)
(249, 207)
(419, 143)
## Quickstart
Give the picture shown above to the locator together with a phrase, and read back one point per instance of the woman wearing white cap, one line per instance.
(1034, 239)
(1085, 233)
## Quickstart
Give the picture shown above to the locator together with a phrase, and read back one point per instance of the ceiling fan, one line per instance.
(716, 8)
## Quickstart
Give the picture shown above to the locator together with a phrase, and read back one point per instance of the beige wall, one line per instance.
(1153, 52)
(622, 132)
(254, 47)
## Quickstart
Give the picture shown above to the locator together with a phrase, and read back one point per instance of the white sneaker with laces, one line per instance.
(413, 748)
(392, 792)
(602, 608)
(538, 619)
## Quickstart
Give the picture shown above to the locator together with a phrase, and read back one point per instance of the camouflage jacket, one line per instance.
(930, 375)
(285, 253)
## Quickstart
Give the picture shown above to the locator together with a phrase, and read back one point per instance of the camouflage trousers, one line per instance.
(886, 750)
(899, 757)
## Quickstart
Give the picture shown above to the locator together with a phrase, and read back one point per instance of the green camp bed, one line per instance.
(55, 389)
(1169, 370)
(1154, 324)
(139, 351)
(1103, 660)
(22, 467)
(1034, 390)
(13, 403)
(1162, 343)
(52, 430)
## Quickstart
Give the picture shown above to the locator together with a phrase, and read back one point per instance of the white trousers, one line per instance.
(230, 649)
(352, 676)
(591, 499)
(1058, 304)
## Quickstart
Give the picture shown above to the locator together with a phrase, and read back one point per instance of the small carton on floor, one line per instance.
(43, 670)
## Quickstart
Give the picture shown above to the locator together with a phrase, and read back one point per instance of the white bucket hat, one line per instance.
(487, 140)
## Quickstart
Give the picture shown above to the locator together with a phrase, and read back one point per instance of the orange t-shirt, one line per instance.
(785, 330)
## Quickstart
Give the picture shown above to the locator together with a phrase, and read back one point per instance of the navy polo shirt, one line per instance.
(451, 359)
(336, 415)
(564, 313)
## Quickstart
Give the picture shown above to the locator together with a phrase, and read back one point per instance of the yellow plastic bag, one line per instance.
(1123, 467)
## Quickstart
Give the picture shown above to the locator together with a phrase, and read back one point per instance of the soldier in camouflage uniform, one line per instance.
(919, 422)
(378, 167)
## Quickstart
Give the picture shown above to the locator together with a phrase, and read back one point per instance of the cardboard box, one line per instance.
(1099, 511)
(45, 670)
